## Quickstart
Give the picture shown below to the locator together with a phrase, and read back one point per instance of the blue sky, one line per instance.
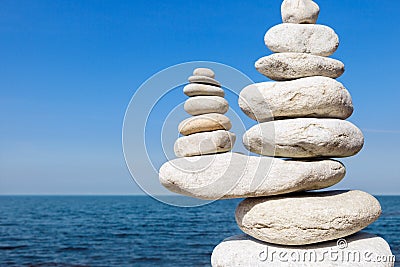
(69, 68)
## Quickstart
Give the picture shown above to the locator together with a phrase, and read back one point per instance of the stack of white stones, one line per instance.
(301, 118)
(309, 108)
(207, 132)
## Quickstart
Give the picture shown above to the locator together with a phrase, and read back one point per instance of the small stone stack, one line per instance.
(207, 132)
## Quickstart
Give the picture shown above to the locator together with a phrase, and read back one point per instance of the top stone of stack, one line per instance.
(299, 33)
(203, 83)
(204, 72)
(299, 11)
(301, 47)
(204, 76)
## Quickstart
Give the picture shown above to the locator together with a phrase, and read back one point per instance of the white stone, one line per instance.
(299, 11)
(304, 138)
(204, 123)
(289, 66)
(233, 175)
(196, 89)
(361, 250)
(206, 104)
(204, 143)
(313, 39)
(204, 80)
(307, 218)
(204, 72)
(318, 96)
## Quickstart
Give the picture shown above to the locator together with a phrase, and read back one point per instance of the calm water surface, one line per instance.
(128, 231)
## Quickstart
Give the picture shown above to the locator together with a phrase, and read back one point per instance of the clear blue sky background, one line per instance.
(69, 68)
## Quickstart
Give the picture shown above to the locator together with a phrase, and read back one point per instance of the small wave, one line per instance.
(125, 234)
(12, 247)
(55, 264)
(73, 249)
(145, 259)
(8, 224)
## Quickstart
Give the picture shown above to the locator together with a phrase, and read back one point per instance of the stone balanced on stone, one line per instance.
(301, 117)
(207, 132)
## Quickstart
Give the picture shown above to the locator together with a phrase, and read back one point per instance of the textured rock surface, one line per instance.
(307, 97)
(196, 89)
(204, 143)
(204, 72)
(233, 175)
(204, 123)
(307, 218)
(289, 66)
(314, 39)
(304, 138)
(299, 11)
(203, 79)
(243, 250)
(206, 104)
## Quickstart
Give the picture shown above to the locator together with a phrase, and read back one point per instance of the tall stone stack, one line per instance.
(301, 125)
(207, 132)
(309, 109)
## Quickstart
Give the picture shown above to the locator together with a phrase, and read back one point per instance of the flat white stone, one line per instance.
(198, 105)
(204, 72)
(304, 138)
(361, 251)
(203, 79)
(196, 89)
(204, 143)
(289, 66)
(307, 218)
(313, 39)
(318, 97)
(204, 123)
(299, 11)
(233, 175)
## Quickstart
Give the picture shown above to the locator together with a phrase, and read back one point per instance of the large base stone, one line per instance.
(307, 218)
(358, 250)
(233, 175)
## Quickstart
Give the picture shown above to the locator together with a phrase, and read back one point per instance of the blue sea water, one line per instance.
(129, 230)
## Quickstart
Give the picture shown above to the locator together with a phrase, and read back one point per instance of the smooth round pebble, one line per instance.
(196, 89)
(318, 97)
(204, 123)
(204, 80)
(304, 138)
(313, 39)
(289, 66)
(299, 11)
(198, 105)
(307, 218)
(204, 143)
(204, 72)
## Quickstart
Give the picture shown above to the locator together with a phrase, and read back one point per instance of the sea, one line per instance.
(129, 230)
